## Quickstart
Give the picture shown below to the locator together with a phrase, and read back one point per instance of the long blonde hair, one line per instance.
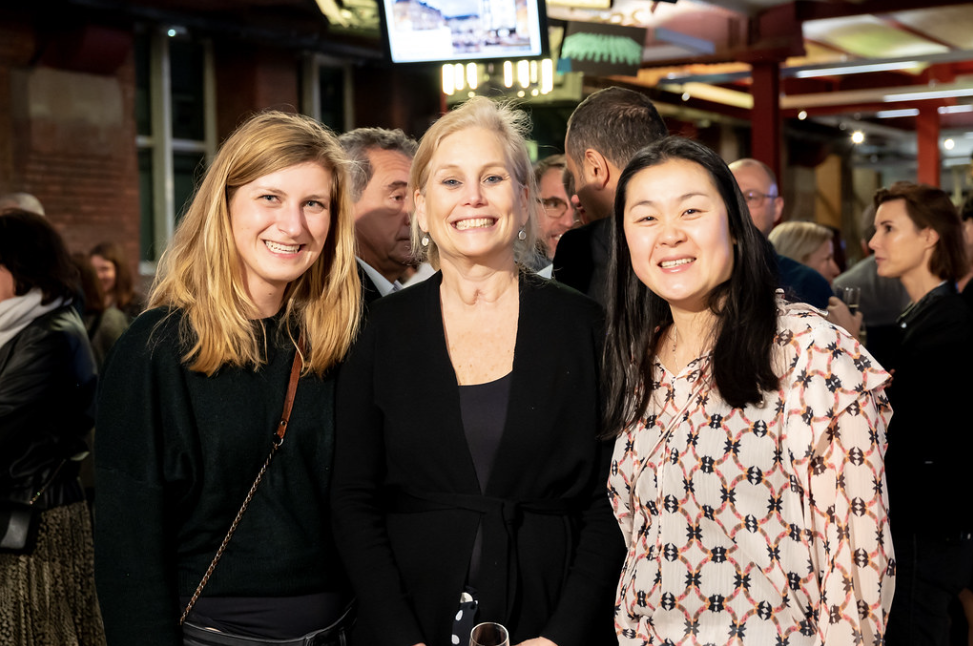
(200, 272)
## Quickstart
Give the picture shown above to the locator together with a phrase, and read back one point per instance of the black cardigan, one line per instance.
(407, 502)
(176, 453)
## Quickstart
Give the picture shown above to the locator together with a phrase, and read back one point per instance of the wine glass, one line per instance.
(852, 297)
(489, 634)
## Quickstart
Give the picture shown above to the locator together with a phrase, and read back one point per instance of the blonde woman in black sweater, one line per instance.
(194, 390)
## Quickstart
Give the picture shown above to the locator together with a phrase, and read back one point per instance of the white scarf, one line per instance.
(20, 311)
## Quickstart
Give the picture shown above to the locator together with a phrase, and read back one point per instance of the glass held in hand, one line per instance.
(489, 634)
(852, 298)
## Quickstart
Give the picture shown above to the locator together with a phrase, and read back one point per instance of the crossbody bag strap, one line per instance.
(278, 439)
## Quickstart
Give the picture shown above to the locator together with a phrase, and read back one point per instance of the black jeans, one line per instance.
(929, 574)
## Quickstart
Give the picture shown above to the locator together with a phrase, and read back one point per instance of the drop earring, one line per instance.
(425, 240)
(522, 235)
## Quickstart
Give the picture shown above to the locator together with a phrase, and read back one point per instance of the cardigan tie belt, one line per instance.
(501, 519)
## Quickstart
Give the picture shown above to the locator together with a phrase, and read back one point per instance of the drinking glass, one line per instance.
(489, 634)
(852, 297)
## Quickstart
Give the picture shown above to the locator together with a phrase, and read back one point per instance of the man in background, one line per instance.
(383, 203)
(604, 133)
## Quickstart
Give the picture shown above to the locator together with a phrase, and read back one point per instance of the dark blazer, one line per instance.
(582, 257)
(406, 500)
(369, 292)
(930, 439)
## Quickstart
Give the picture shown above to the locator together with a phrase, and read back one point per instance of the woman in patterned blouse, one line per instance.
(748, 474)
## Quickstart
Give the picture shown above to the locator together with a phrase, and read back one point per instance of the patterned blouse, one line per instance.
(765, 525)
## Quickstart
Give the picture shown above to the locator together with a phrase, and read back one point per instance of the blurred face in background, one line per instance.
(822, 261)
(763, 200)
(106, 272)
(7, 285)
(557, 216)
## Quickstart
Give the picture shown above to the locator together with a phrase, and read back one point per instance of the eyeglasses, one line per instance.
(554, 207)
(756, 198)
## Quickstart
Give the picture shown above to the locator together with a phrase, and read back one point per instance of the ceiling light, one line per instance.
(932, 94)
(802, 115)
(854, 69)
(895, 114)
(857, 137)
(949, 144)
(955, 109)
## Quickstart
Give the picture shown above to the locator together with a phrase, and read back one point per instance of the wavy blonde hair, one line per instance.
(511, 127)
(201, 274)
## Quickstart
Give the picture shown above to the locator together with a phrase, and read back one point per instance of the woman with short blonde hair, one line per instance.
(470, 484)
(259, 285)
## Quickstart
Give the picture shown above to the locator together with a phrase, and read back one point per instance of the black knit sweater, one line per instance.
(176, 453)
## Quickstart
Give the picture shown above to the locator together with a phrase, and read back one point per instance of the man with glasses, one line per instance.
(558, 215)
(759, 186)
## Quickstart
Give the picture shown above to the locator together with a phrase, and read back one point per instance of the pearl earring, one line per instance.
(425, 241)
(522, 235)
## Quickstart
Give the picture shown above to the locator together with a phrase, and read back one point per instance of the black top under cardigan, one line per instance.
(176, 454)
(407, 502)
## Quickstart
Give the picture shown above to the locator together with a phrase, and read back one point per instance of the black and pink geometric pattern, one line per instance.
(766, 525)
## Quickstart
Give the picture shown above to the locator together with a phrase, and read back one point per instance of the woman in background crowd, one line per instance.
(47, 395)
(110, 262)
(469, 482)
(809, 244)
(918, 239)
(747, 475)
(258, 286)
(104, 323)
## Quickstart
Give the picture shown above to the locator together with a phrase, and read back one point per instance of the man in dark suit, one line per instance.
(604, 133)
(383, 203)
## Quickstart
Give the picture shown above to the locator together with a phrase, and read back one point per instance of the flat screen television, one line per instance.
(442, 31)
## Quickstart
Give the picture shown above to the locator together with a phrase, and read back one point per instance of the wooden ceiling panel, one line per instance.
(952, 25)
(870, 37)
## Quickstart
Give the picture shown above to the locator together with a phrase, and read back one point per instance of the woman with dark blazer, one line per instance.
(918, 239)
(469, 484)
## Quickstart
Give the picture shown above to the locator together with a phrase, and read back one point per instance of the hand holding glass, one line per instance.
(489, 634)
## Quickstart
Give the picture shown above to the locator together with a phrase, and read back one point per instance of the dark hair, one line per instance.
(94, 295)
(33, 252)
(358, 142)
(929, 207)
(124, 291)
(745, 305)
(617, 122)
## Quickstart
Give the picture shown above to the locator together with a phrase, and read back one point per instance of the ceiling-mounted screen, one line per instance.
(426, 31)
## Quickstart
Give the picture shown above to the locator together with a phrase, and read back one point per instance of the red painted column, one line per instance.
(927, 133)
(765, 121)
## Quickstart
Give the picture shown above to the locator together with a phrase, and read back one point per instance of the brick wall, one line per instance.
(68, 137)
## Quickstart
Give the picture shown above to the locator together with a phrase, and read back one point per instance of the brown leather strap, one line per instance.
(285, 417)
(291, 391)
